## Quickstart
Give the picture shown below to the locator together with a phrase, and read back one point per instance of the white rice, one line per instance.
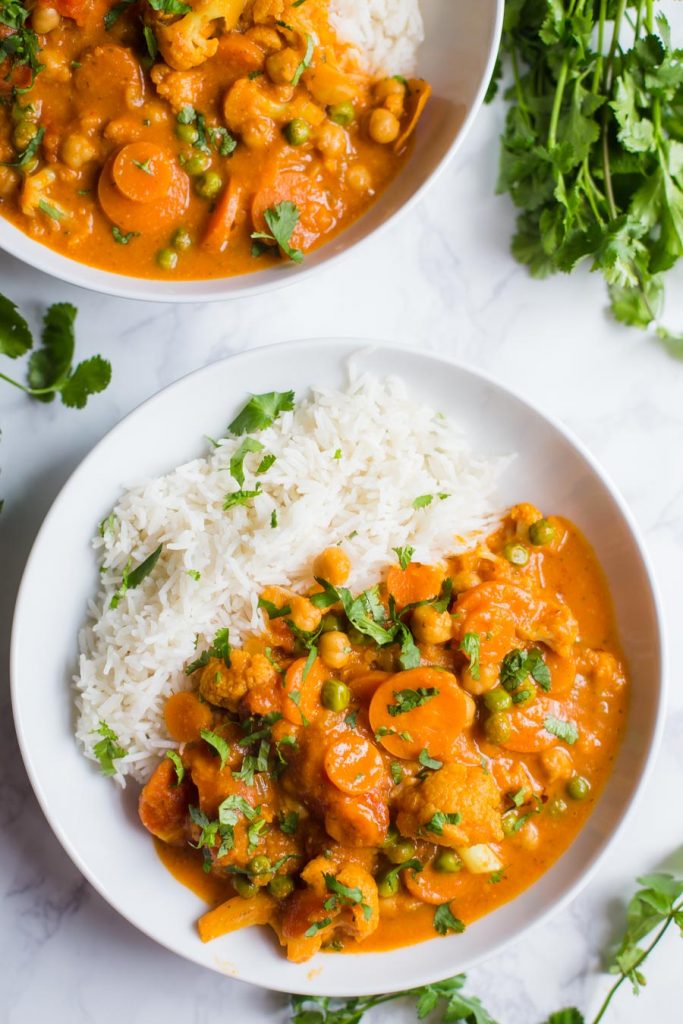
(390, 450)
(385, 33)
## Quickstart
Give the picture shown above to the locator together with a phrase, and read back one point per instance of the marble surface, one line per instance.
(442, 279)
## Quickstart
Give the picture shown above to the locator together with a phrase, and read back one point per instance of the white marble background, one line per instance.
(442, 279)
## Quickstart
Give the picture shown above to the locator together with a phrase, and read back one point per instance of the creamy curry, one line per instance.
(191, 140)
(377, 769)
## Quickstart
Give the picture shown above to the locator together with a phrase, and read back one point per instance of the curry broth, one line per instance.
(595, 700)
(100, 93)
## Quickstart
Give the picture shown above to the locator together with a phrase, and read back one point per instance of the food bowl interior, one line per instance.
(460, 44)
(97, 824)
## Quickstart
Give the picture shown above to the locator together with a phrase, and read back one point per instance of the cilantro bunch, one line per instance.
(592, 151)
(50, 369)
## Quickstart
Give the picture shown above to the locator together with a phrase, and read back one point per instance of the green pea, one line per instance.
(357, 638)
(497, 727)
(209, 185)
(197, 163)
(388, 885)
(335, 695)
(447, 861)
(578, 787)
(393, 836)
(331, 623)
(24, 133)
(259, 865)
(182, 239)
(187, 133)
(342, 113)
(557, 807)
(30, 167)
(498, 699)
(525, 695)
(509, 821)
(167, 259)
(516, 553)
(281, 886)
(297, 131)
(243, 887)
(541, 532)
(400, 852)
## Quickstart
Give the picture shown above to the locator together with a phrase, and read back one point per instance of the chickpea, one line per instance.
(528, 836)
(55, 64)
(383, 127)
(281, 66)
(78, 150)
(394, 104)
(335, 649)
(389, 87)
(557, 764)
(331, 139)
(267, 38)
(9, 179)
(44, 19)
(305, 616)
(465, 580)
(359, 178)
(333, 565)
(258, 132)
(431, 627)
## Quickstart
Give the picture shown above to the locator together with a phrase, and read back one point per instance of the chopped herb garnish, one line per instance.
(145, 167)
(272, 610)
(289, 823)
(317, 926)
(471, 647)
(429, 762)
(423, 500)
(220, 648)
(240, 497)
(27, 154)
(445, 921)
(115, 12)
(396, 772)
(123, 238)
(438, 820)
(150, 41)
(337, 454)
(265, 463)
(312, 655)
(566, 731)
(194, 573)
(51, 211)
(281, 221)
(273, 519)
(404, 555)
(518, 664)
(407, 700)
(221, 746)
(351, 718)
(249, 445)
(133, 577)
(256, 73)
(261, 411)
(306, 60)
(174, 756)
(107, 750)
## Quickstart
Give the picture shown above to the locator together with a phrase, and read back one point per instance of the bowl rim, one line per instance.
(207, 289)
(660, 681)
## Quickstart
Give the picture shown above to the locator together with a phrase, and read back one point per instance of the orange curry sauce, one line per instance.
(156, 144)
(474, 767)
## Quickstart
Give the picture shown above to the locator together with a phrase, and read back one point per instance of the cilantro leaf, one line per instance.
(305, 61)
(407, 700)
(220, 649)
(174, 756)
(281, 221)
(220, 745)
(261, 411)
(170, 6)
(404, 555)
(133, 578)
(445, 921)
(566, 731)
(470, 646)
(89, 378)
(439, 819)
(423, 500)
(429, 762)
(107, 750)
(248, 446)
(289, 823)
(15, 336)
(240, 497)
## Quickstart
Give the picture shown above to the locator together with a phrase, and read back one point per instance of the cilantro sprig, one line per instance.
(108, 749)
(591, 151)
(281, 221)
(50, 369)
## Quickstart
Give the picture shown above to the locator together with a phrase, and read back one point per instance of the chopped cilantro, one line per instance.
(107, 750)
(566, 731)
(174, 756)
(444, 921)
(471, 647)
(133, 578)
(407, 700)
(261, 411)
(404, 555)
(281, 221)
(220, 745)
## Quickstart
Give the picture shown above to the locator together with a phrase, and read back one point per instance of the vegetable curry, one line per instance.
(375, 770)
(191, 140)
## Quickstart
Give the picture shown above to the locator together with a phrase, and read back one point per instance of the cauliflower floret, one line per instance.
(465, 790)
(363, 921)
(187, 42)
(35, 189)
(179, 88)
(226, 686)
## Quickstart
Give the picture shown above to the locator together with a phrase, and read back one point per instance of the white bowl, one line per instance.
(461, 42)
(100, 830)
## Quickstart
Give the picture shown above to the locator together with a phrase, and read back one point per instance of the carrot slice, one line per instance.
(310, 200)
(222, 218)
(302, 695)
(363, 686)
(431, 886)
(528, 734)
(354, 764)
(185, 716)
(142, 171)
(418, 94)
(434, 725)
(150, 216)
(234, 914)
(417, 582)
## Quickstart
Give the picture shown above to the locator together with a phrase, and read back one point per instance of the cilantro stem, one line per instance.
(26, 390)
(557, 104)
(646, 952)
